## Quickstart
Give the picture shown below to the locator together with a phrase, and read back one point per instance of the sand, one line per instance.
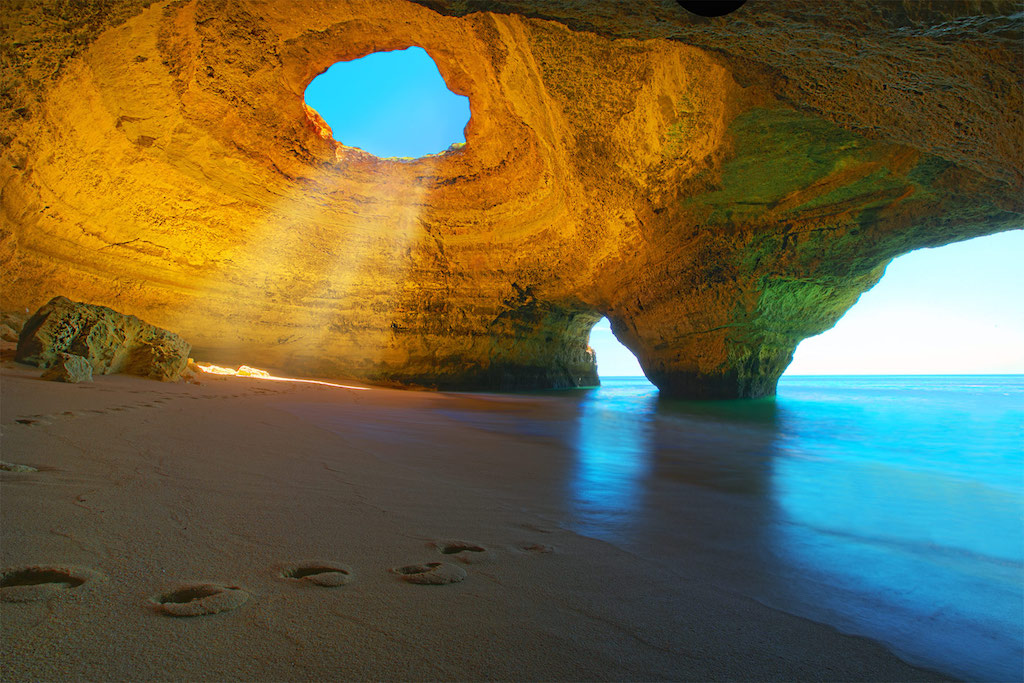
(236, 494)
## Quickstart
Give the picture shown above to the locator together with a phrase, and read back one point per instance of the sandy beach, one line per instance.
(451, 201)
(151, 487)
(143, 489)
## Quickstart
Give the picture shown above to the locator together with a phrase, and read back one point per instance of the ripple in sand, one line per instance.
(201, 598)
(431, 573)
(326, 574)
(27, 584)
(464, 551)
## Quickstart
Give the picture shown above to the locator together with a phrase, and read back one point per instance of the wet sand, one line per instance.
(441, 544)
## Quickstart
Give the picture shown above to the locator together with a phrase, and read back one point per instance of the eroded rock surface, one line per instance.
(719, 188)
(64, 334)
(11, 324)
(69, 368)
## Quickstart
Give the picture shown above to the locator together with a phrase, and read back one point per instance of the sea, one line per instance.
(890, 507)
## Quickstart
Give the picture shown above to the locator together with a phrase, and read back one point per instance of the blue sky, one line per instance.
(957, 309)
(390, 104)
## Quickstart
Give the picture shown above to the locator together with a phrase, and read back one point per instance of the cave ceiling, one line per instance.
(718, 188)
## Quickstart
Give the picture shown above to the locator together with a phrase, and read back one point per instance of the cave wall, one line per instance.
(720, 189)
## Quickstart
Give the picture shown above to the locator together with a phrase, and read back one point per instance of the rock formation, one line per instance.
(719, 188)
(70, 368)
(63, 334)
(8, 333)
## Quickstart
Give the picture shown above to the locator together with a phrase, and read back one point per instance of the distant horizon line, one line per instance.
(868, 374)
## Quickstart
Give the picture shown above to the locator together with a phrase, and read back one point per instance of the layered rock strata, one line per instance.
(63, 335)
(719, 188)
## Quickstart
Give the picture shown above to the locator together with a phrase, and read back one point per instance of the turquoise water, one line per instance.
(889, 507)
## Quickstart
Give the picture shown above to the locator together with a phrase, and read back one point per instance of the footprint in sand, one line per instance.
(537, 548)
(27, 584)
(44, 419)
(326, 574)
(198, 599)
(431, 573)
(463, 551)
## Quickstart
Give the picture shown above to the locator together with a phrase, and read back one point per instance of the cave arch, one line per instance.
(614, 359)
(710, 186)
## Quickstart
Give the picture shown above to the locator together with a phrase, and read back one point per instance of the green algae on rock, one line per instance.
(69, 368)
(64, 330)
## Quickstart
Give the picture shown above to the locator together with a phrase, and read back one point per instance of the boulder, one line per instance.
(110, 341)
(69, 368)
(11, 323)
(14, 320)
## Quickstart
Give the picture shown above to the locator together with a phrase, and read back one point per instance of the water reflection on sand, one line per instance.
(887, 510)
(846, 509)
(613, 447)
(629, 443)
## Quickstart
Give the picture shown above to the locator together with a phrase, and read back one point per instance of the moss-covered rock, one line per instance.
(108, 341)
(69, 368)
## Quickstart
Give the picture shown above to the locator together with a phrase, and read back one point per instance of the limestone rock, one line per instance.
(69, 368)
(16, 467)
(718, 188)
(63, 331)
(11, 323)
(192, 373)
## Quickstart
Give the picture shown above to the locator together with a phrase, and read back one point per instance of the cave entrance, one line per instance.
(952, 310)
(390, 104)
(614, 360)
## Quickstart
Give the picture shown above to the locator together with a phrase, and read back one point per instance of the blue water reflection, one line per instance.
(900, 504)
(613, 443)
(888, 507)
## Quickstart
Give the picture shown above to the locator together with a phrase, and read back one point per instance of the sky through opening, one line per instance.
(390, 104)
(953, 310)
(957, 309)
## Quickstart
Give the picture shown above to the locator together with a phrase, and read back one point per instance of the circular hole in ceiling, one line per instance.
(390, 104)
